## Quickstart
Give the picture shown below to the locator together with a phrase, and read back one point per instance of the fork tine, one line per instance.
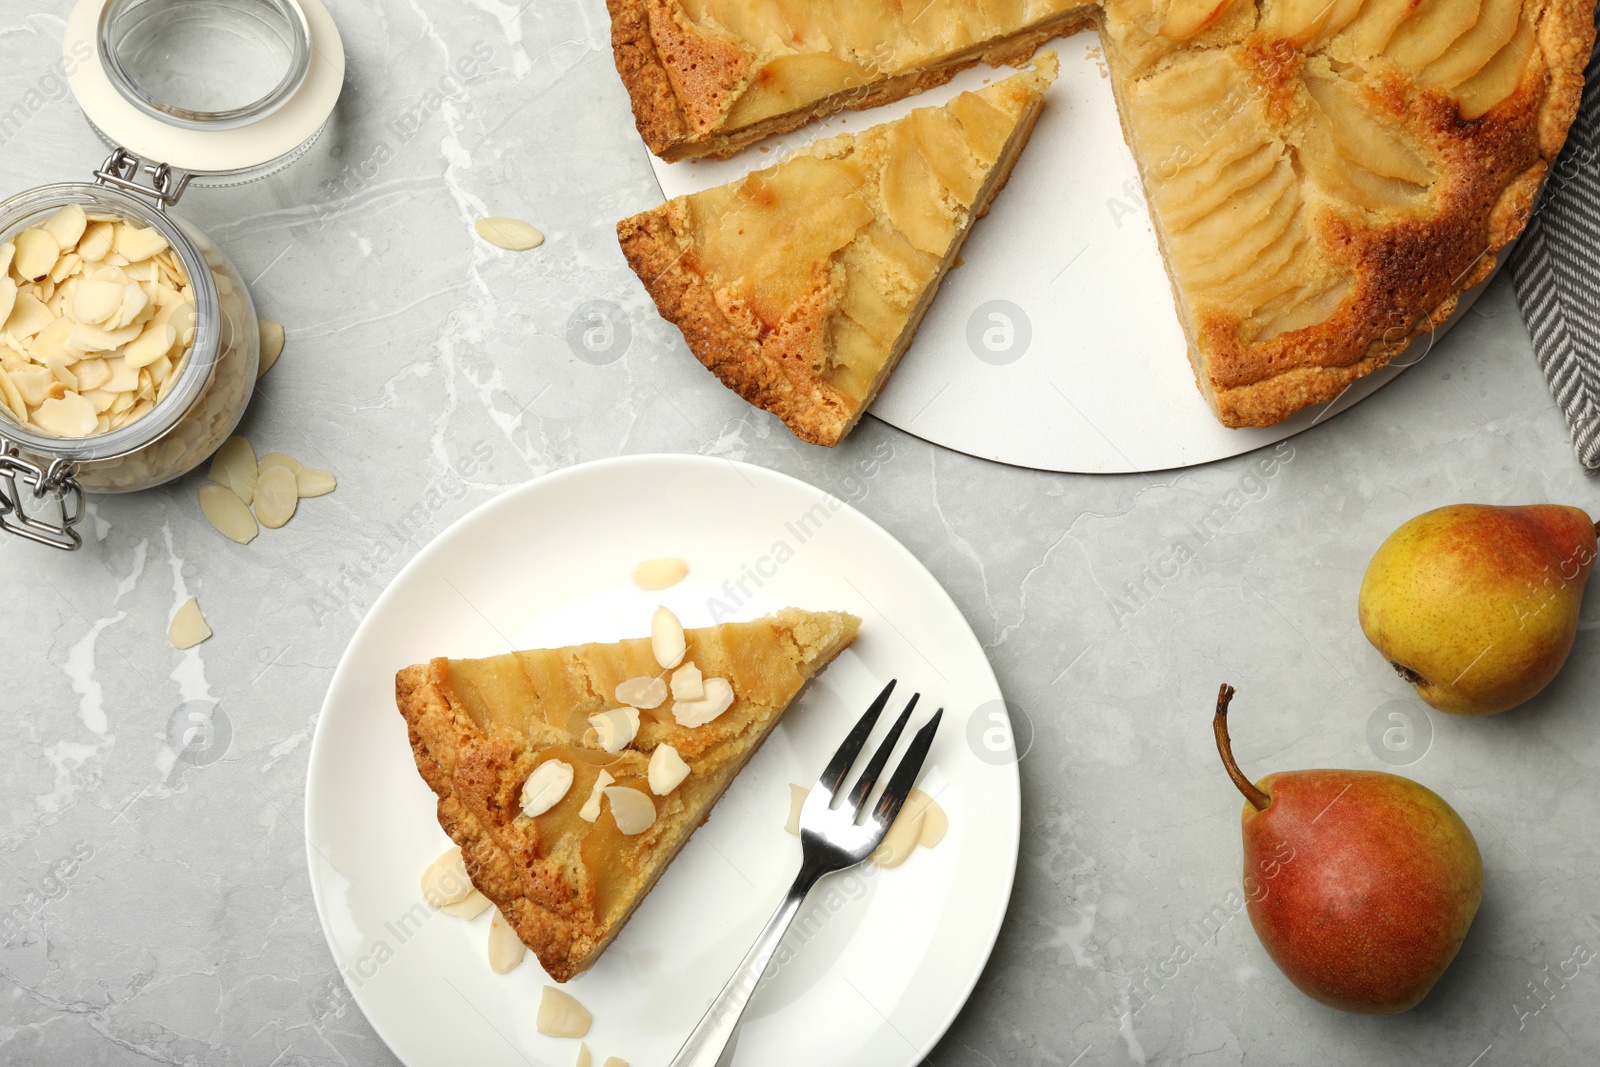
(845, 757)
(905, 775)
(869, 776)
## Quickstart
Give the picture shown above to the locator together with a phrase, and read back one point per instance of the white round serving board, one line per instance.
(889, 957)
(1103, 383)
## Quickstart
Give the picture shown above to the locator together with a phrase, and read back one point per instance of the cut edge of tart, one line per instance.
(479, 728)
(697, 89)
(801, 285)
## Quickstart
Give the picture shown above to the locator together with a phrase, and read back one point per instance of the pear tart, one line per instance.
(480, 728)
(801, 285)
(708, 77)
(1325, 177)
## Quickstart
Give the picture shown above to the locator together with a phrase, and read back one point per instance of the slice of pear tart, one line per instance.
(569, 802)
(801, 285)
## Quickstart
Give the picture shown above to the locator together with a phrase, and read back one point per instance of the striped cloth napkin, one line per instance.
(1556, 268)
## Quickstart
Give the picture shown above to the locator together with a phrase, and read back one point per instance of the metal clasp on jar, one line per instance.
(24, 488)
(121, 169)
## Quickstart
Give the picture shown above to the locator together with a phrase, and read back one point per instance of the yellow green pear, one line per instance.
(1477, 605)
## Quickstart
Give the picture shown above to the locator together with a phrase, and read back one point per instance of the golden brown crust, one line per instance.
(477, 769)
(1411, 273)
(663, 97)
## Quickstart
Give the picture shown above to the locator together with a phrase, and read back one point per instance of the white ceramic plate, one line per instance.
(883, 960)
(1085, 368)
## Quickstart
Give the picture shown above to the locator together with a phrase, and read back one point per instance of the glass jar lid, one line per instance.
(222, 90)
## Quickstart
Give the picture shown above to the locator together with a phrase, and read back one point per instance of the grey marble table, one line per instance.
(157, 910)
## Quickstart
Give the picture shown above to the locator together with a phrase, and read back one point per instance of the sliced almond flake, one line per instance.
(718, 699)
(655, 574)
(234, 466)
(70, 416)
(156, 341)
(67, 225)
(506, 949)
(65, 267)
(687, 683)
(44, 290)
(37, 252)
(12, 397)
(188, 627)
(102, 424)
(52, 342)
(632, 809)
(87, 338)
(96, 241)
(134, 303)
(276, 496)
(95, 302)
(584, 1058)
(615, 1061)
(8, 298)
(159, 370)
(271, 344)
(312, 482)
(8, 252)
(28, 317)
(123, 403)
(560, 1014)
(666, 638)
(445, 880)
(140, 410)
(134, 243)
(34, 383)
(281, 459)
(63, 372)
(227, 513)
(474, 905)
(591, 807)
(102, 399)
(642, 692)
(513, 235)
(666, 770)
(91, 373)
(123, 377)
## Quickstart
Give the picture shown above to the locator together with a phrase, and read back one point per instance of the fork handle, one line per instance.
(713, 1036)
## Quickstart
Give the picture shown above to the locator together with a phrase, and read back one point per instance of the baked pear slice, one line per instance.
(801, 285)
(566, 878)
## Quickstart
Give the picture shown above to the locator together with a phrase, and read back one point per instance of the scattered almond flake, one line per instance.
(505, 947)
(276, 497)
(584, 1058)
(188, 627)
(281, 459)
(91, 373)
(446, 881)
(642, 692)
(134, 304)
(635, 813)
(8, 252)
(312, 482)
(797, 800)
(591, 807)
(134, 243)
(615, 728)
(655, 574)
(667, 770)
(230, 515)
(687, 683)
(902, 837)
(8, 298)
(560, 1014)
(666, 638)
(271, 344)
(69, 416)
(234, 466)
(549, 782)
(37, 252)
(935, 824)
(124, 379)
(52, 341)
(67, 225)
(615, 1061)
(513, 235)
(471, 906)
(718, 699)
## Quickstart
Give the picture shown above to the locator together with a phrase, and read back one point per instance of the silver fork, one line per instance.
(831, 839)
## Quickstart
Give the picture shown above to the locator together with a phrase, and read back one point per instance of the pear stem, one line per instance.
(1219, 726)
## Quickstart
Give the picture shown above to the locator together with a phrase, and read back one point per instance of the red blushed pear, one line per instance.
(1360, 885)
(1477, 606)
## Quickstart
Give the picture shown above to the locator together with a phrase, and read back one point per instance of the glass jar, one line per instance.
(224, 92)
